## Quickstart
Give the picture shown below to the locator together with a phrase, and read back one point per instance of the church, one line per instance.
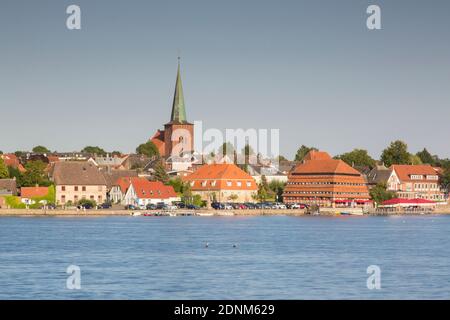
(176, 141)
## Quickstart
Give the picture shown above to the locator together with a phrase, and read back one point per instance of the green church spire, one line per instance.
(178, 108)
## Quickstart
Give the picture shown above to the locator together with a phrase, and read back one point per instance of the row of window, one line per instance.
(229, 183)
(77, 188)
(326, 183)
(426, 186)
(65, 199)
(421, 177)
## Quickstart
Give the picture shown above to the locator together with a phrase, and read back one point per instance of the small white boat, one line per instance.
(204, 214)
(225, 213)
(135, 214)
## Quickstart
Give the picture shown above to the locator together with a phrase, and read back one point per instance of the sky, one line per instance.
(311, 69)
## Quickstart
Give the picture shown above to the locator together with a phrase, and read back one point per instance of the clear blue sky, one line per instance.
(310, 68)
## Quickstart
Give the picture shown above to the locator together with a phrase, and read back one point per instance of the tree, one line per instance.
(303, 151)
(40, 149)
(148, 149)
(415, 159)
(282, 158)
(226, 149)
(15, 173)
(248, 150)
(396, 153)
(426, 157)
(277, 188)
(445, 179)
(358, 157)
(264, 191)
(35, 174)
(160, 173)
(379, 193)
(180, 187)
(94, 150)
(4, 173)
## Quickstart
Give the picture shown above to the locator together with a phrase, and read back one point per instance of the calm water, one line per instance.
(276, 257)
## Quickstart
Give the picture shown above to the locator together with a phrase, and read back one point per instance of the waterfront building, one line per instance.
(415, 182)
(378, 175)
(140, 192)
(327, 182)
(223, 182)
(177, 138)
(78, 180)
(8, 187)
(271, 172)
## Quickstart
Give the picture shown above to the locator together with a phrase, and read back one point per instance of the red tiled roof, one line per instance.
(222, 176)
(404, 172)
(146, 189)
(31, 192)
(11, 160)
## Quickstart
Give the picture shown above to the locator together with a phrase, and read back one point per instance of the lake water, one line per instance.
(274, 258)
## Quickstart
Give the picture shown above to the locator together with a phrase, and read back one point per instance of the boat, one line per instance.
(204, 214)
(225, 213)
(135, 214)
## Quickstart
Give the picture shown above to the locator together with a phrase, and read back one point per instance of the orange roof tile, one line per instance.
(221, 176)
(31, 192)
(404, 172)
(146, 189)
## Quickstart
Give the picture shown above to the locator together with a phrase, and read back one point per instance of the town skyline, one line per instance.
(316, 74)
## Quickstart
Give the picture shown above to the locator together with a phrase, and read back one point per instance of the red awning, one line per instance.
(400, 201)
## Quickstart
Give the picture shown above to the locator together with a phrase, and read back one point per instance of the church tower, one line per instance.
(178, 132)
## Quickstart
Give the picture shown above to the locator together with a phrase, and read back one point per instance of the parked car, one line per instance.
(161, 205)
(217, 206)
(235, 205)
(86, 206)
(180, 204)
(151, 206)
(192, 207)
(250, 205)
(293, 206)
(268, 205)
(105, 205)
(280, 205)
(131, 207)
(227, 206)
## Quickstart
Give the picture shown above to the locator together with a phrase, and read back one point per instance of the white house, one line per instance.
(140, 192)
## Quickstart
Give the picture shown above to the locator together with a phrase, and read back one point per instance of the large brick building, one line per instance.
(328, 182)
(177, 138)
